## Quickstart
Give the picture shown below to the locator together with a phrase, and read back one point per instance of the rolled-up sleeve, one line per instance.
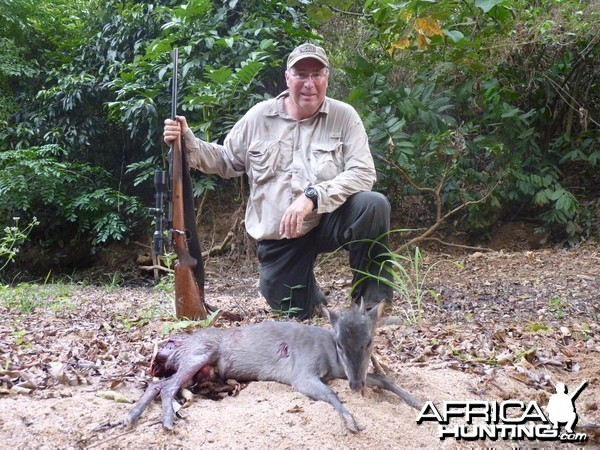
(223, 160)
(358, 171)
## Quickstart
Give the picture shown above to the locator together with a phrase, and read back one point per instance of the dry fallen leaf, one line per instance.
(7, 392)
(58, 372)
(114, 396)
(505, 358)
(21, 390)
(519, 376)
(188, 397)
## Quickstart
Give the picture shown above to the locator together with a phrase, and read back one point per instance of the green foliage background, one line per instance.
(484, 95)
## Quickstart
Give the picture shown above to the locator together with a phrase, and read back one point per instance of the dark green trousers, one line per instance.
(360, 226)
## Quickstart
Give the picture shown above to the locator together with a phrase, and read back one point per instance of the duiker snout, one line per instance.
(357, 384)
(356, 365)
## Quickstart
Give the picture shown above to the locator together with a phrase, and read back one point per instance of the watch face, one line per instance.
(310, 192)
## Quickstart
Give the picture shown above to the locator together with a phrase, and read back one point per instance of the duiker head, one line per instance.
(354, 329)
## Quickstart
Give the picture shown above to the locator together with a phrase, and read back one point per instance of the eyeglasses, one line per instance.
(303, 76)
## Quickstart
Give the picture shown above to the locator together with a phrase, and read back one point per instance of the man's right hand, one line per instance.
(174, 128)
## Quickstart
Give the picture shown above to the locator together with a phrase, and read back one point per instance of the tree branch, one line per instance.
(401, 171)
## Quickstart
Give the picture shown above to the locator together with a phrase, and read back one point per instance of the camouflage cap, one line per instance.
(307, 51)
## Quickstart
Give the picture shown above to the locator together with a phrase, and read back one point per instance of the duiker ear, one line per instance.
(330, 314)
(376, 312)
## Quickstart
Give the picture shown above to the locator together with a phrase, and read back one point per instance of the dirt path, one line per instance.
(505, 326)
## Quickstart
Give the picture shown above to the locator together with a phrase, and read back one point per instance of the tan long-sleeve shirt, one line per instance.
(283, 156)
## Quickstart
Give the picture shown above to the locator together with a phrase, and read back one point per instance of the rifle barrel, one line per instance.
(577, 391)
(174, 87)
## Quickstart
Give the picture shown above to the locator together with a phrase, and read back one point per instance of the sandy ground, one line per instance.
(505, 326)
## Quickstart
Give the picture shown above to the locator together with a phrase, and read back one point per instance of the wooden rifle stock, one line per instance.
(189, 270)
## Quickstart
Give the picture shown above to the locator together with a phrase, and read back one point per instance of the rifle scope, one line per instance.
(160, 183)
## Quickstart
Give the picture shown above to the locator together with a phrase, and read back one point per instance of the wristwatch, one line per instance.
(311, 193)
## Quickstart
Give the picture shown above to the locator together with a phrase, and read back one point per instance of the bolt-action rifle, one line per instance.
(176, 191)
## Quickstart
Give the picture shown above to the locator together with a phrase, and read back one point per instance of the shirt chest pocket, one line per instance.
(327, 160)
(263, 161)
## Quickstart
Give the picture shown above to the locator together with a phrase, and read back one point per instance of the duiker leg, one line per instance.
(384, 382)
(151, 392)
(314, 388)
(168, 389)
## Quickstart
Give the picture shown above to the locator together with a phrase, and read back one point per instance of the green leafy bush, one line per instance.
(230, 57)
(483, 95)
(73, 202)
